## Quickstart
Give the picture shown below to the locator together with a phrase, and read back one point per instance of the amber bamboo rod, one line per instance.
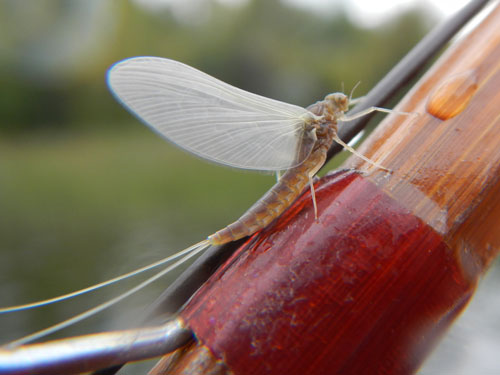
(445, 170)
(446, 160)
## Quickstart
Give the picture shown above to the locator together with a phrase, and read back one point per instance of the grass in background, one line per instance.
(78, 208)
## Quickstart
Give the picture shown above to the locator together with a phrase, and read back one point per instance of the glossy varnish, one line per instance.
(348, 294)
(370, 287)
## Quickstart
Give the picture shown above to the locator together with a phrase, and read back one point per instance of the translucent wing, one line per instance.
(210, 118)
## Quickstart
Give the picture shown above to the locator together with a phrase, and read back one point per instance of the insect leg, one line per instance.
(373, 109)
(355, 101)
(349, 148)
(278, 176)
(313, 195)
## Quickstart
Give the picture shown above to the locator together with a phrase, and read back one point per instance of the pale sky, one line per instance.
(365, 12)
(371, 13)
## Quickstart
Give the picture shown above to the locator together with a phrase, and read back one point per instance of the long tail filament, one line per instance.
(184, 254)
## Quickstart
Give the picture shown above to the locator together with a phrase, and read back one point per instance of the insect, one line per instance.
(229, 126)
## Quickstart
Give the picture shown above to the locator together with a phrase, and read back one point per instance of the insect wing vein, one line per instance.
(208, 117)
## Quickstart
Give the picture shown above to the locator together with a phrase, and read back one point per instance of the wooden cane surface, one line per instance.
(447, 170)
(445, 164)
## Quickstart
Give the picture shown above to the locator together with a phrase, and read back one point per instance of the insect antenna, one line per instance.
(355, 100)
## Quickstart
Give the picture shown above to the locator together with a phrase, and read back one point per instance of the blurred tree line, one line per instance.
(80, 205)
(54, 53)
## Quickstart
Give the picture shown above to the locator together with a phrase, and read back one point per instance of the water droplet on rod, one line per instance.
(452, 96)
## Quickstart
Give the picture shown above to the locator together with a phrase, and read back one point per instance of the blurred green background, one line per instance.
(86, 191)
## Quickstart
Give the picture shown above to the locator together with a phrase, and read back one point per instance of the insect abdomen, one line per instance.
(272, 204)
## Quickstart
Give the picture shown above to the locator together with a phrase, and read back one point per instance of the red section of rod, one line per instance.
(365, 289)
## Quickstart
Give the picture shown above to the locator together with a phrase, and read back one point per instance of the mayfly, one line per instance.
(229, 126)
(233, 127)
